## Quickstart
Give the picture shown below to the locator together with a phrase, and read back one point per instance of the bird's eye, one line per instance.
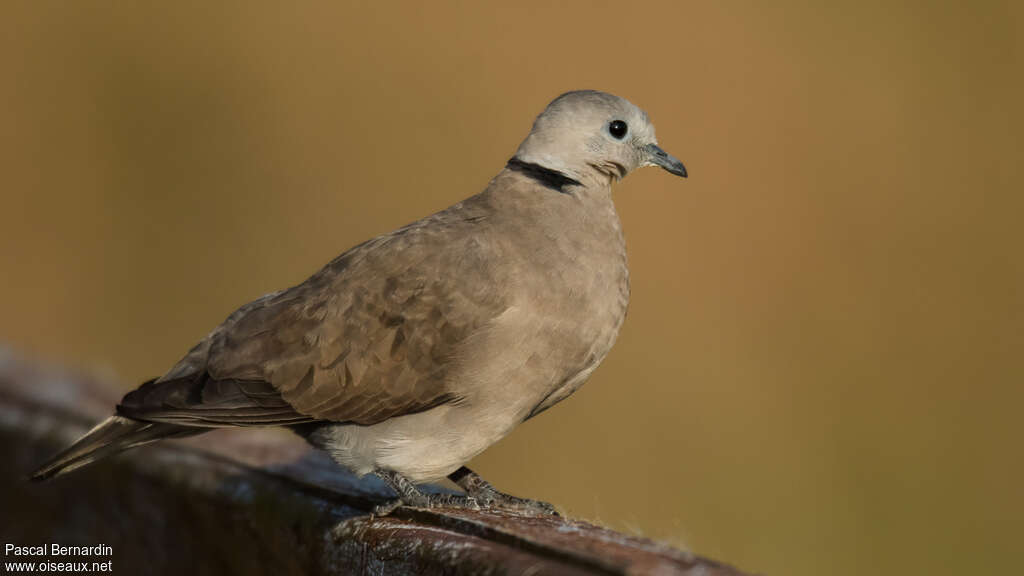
(618, 129)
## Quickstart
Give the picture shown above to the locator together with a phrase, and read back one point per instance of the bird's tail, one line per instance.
(113, 435)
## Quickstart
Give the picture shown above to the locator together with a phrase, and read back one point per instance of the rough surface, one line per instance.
(259, 502)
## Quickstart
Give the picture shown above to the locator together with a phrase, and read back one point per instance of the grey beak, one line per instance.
(659, 157)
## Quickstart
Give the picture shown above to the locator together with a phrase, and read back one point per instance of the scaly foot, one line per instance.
(490, 497)
(410, 495)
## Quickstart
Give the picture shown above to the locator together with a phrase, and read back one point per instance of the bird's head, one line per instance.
(594, 137)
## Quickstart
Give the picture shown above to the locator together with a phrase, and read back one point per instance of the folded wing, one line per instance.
(371, 336)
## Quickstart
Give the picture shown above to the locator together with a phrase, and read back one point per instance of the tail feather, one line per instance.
(113, 435)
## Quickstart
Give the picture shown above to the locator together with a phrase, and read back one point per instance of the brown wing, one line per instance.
(199, 400)
(371, 336)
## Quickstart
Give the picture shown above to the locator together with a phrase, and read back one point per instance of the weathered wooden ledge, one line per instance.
(259, 502)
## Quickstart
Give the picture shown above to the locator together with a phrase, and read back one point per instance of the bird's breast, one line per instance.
(579, 292)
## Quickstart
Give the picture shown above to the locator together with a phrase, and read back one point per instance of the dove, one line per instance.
(411, 353)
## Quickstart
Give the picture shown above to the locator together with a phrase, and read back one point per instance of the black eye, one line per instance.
(618, 129)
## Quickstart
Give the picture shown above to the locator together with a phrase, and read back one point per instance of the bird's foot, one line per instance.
(428, 501)
(410, 495)
(490, 497)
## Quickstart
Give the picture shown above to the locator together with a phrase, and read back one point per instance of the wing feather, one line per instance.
(372, 335)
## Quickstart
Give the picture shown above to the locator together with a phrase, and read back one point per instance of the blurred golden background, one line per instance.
(821, 371)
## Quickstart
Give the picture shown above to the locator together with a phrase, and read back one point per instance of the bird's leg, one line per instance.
(489, 497)
(410, 495)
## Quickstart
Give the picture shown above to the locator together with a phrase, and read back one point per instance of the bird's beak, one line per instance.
(658, 157)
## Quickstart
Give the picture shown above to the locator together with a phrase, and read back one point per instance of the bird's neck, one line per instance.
(553, 175)
(547, 177)
(562, 205)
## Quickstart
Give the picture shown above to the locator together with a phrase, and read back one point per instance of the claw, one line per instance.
(409, 495)
(386, 508)
(482, 490)
(501, 501)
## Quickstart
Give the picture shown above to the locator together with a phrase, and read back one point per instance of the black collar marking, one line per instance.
(545, 176)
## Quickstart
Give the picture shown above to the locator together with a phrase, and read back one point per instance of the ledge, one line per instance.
(259, 501)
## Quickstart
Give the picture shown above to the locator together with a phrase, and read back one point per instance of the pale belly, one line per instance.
(430, 445)
(423, 447)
